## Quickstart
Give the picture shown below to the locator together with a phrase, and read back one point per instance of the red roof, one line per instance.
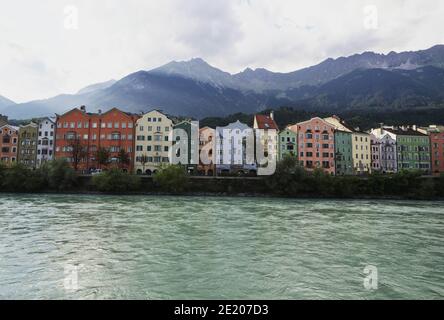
(265, 122)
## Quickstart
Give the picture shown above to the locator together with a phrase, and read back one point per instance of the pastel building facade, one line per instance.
(343, 153)
(361, 146)
(316, 145)
(207, 151)
(288, 143)
(45, 141)
(186, 145)
(343, 146)
(235, 149)
(386, 150)
(113, 130)
(436, 135)
(8, 144)
(27, 150)
(154, 142)
(266, 133)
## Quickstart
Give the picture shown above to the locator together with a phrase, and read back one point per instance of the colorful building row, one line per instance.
(143, 143)
(30, 145)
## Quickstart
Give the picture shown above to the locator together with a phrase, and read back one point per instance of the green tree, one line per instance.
(115, 180)
(172, 178)
(123, 158)
(289, 177)
(20, 179)
(103, 157)
(78, 151)
(60, 175)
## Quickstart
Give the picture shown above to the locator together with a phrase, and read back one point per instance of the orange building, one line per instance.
(113, 130)
(316, 144)
(8, 144)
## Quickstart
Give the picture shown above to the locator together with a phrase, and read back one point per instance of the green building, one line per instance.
(343, 153)
(190, 134)
(27, 149)
(413, 148)
(288, 143)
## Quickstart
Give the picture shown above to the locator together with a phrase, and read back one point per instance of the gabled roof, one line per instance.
(405, 132)
(338, 124)
(10, 127)
(265, 122)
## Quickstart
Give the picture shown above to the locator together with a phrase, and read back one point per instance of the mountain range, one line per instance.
(196, 89)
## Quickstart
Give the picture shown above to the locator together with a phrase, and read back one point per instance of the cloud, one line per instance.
(39, 57)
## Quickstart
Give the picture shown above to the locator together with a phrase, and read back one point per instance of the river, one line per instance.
(155, 247)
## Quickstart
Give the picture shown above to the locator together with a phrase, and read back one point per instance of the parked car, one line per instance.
(96, 172)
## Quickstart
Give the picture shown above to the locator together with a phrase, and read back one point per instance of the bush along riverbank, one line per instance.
(290, 180)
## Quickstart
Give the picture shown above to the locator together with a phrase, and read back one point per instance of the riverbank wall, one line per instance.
(422, 188)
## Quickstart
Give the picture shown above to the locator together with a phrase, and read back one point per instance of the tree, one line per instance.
(289, 178)
(123, 158)
(115, 180)
(172, 178)
(60, 175)
(143, 160)
(78, 151)
(102, 156)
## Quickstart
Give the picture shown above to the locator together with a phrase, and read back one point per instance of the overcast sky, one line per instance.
(49, 47)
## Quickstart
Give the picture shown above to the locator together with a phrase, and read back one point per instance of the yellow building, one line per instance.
(361, 146)
(154, 132)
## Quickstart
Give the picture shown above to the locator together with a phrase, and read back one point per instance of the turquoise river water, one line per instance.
(146, 247)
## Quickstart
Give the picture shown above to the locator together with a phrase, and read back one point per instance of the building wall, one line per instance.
(288, 144)
(361, 145)
(113, 130)
(343, 153)
(436, 135)
(8, 145)
(231, 148)
(376, 152)
(46, 141)
(192, 142)
(207, 146)
(27, 149)
(316, 145)
(413, 152)
(154, 135)
(388, 154)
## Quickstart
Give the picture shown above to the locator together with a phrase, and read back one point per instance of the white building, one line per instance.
(235, 149)
(45, 140)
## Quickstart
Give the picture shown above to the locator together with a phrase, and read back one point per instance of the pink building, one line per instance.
(316, 144)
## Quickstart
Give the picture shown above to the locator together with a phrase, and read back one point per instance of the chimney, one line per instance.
(272, 115)
(83, 108)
